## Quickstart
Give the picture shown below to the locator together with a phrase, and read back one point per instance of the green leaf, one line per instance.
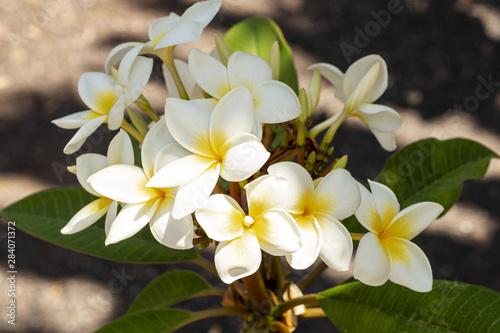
(168, 289)
(433, 170)
(44, 214)
(151, 321)
(256, 35)
(449, 307)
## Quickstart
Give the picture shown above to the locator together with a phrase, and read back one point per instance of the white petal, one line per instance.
(110, 216)
(168, 154)
(87, 216)
(124, 183)
(266, 193)
(300, 185)
(277, 232)
(173, 233)
(161, 25)
(131, 219)
(310, 236)
(193, 135)
(386, 139)
(117, 53)
(337, 195)
(379, 117)
(233, 114)
(257, 129)
(181, 33)
(357, 71)
(238, 258)
(180, 171)
(86, 166)
(386, 203)
(247, 69)
(275, 102)
(115, 116)
(413, 220)
(209, 73)
(120, 150)
(82, 134)
(221, 217)
(334, 75)
(372, 263)
(410, 266)
(156, 138)
(138, 78)
(242, 156)
(75, 120)
(127, 62)
(92, 85)
(203, 12)
(367, 214)
(336, 243)
(192, 195)
(187, 79)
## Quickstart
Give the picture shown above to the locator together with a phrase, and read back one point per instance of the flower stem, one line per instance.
(280, 276)
(285, 306)
(144, 105)
(208, 265)
(235, 191)
(313, 313)
(311, 276)
(279, 327)
(356, 236)
(217, 312)
(323, 125)
(210, 292)
(132, 131)
(257, 292)
(168, 60)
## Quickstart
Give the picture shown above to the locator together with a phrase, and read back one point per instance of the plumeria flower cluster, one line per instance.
(218, 165)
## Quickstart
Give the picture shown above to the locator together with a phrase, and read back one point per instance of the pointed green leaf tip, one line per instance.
(256, 35)
(449, 307)
(44, 214)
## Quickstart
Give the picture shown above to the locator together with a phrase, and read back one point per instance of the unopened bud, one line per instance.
(72, 169)
(303, 104)
(138, 121)
(313, 92)
(340, 163)
(222, 49)
(274, 60)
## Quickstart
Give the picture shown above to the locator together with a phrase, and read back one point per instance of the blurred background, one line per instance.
(438, 53)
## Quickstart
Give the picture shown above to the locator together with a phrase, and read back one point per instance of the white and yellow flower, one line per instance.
(317, 208)
(120, 151)
(274, 101)
(209, 144)
(267, 226)
(106, 100)
(386, 251)
(361, 85)
(142, 204)
(164, 32)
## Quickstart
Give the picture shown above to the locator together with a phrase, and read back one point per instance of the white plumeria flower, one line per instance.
(209, 144)
(192, 89)
(274, 101)
(267, 226)
(164, 32)
(317, 207)
(107, 101)
(143, 205)
(120, 151)
(361, 85)
(386, 252)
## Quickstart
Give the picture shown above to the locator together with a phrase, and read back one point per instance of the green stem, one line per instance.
(323, 125)
(257, 292)
(210, 292)
(311, 276)
(313, 313)
(356, 236)
(217, 312)
(132, 131)
(168, 60)
(279, 327)
(280, 276)
(208, 265)
(144, 105)
(285, 306)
